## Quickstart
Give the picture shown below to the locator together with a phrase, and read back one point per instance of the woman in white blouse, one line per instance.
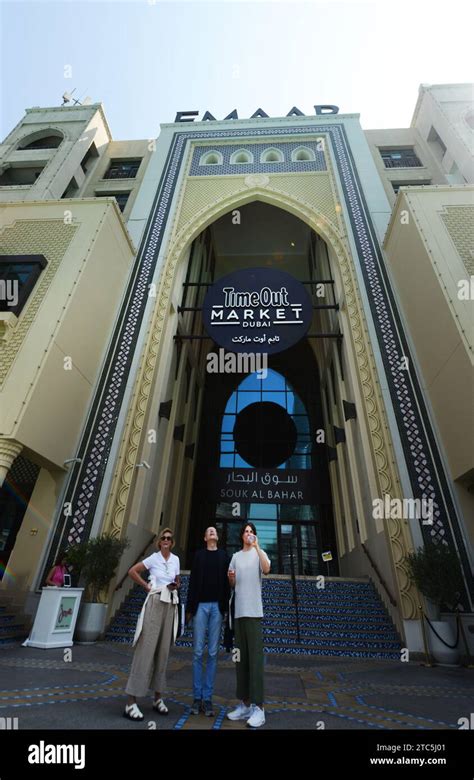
(156, 626)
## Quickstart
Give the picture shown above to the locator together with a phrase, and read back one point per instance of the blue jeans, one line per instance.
(208, 619)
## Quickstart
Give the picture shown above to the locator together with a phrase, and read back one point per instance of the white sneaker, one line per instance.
(257, 717)
(241, 712)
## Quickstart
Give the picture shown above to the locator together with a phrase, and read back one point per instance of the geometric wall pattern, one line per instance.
(459, 222)
(287, 165)
(48, 237)
(314, 189)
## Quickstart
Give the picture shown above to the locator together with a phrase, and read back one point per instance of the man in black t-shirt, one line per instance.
(208, 598)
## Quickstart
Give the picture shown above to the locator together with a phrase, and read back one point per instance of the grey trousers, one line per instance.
(148, 670)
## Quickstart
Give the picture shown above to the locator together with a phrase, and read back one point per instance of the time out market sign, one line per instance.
(257, 310)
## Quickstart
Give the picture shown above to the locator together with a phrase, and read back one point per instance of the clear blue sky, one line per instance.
(147, 59)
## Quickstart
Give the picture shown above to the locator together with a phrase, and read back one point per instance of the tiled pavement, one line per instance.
(44, 691)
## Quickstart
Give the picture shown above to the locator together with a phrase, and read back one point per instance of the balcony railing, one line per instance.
(408, 161)
(122, 172)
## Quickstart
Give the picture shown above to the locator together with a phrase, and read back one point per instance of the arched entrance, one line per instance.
(277, 422)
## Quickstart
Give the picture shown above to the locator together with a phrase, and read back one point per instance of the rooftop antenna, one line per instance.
(67, 98)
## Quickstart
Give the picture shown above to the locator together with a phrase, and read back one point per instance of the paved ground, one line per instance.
(44, 691)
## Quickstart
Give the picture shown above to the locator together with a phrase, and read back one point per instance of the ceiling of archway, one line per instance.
(266, 235)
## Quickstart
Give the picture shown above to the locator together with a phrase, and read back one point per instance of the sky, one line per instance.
(147, 59)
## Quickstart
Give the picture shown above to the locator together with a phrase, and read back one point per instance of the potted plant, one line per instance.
(95, 563)
(436, 572)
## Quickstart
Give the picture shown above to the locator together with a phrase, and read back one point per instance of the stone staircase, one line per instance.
(346, 618)
(12, 626)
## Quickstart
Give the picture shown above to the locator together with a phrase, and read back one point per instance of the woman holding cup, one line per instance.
(245, 575)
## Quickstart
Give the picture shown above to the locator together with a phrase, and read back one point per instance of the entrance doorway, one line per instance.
(267, 424)
(15, 494)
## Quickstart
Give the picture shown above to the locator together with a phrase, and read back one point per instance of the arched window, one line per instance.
(46, 139)
(274, 390)
(302, 154)
(211, 158)
(241, 157)
(272, 155)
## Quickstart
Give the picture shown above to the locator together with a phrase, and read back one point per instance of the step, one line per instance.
(303, 605)
(329, 640)
(16, 628)
(364, 651)
(387, 635)
(384, 636)
(13, 637)
(345, 618)
(269, 639)
(306, 629)
(6, 618)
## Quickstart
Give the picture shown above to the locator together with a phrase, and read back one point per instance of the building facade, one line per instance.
(112, 420)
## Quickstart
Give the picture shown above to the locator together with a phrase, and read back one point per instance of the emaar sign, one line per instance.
(189, 116)
(257, 310)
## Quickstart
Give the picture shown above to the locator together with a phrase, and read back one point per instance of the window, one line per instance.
(16, 175)
(400, 158)
(397, 184)
(241, 157)
(47, 140)
(437, 145)
(120, 197)
(303, 154)
(71, 190)
(211, 158)
(89, 158)
(274, 389)
(123, 169)
(272, 155)
(18, 276)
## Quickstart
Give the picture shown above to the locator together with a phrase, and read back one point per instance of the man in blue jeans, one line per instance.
(208, 598)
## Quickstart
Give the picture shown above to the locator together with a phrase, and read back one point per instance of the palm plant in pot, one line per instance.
(436, 572)
(94, 563)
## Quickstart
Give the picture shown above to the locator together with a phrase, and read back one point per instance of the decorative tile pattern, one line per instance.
(51, 238)
(459, 222)
(426, 471)
(346, 636)
(287, 166)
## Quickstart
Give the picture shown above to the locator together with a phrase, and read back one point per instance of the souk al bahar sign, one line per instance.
(262, 486)
(257, 310)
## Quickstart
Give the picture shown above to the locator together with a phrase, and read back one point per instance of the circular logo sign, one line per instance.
(257, 310)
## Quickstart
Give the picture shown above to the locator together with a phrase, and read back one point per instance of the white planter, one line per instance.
(441, 653)
(91, 622)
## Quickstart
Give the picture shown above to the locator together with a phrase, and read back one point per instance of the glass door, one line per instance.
(298, 548)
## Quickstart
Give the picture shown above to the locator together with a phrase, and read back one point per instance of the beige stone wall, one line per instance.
(69, 314)
(81, 127)
(446, 111)
(425, 247)
(122, 150)
(404, 137)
